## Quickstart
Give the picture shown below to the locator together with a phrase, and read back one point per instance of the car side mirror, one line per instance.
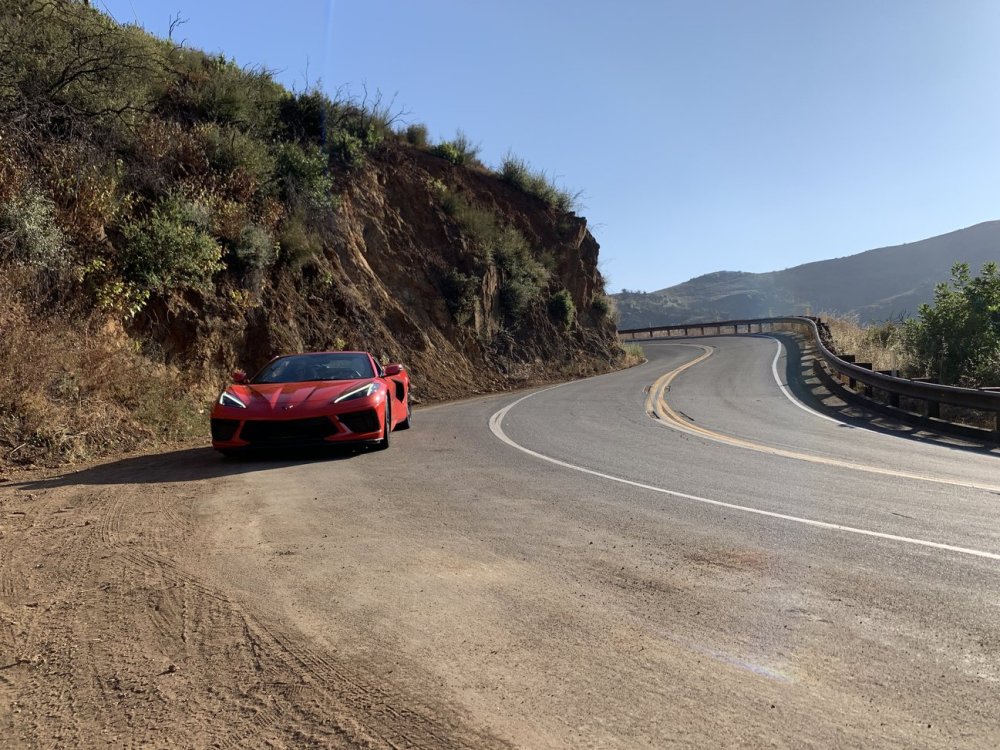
(239, 376)
(393, 370)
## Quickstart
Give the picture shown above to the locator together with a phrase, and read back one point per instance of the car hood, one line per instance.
(284, 397)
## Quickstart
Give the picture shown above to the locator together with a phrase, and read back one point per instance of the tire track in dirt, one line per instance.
(46, 651)
(126, 646)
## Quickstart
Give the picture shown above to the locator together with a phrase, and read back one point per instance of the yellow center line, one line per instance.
(656, 404)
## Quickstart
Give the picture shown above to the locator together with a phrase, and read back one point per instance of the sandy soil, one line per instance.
(109, 636)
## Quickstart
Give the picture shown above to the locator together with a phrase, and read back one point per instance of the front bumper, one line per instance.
(360, 425)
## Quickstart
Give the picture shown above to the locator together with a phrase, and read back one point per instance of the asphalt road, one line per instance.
(562, 568)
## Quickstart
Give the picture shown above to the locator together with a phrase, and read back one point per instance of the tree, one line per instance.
(63, 61)
(957, 339)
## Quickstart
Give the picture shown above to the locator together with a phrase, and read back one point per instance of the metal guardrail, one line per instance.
(931, 394)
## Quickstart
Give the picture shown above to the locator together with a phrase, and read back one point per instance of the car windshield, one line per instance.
(298, 368)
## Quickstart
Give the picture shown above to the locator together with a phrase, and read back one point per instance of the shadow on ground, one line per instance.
(806, 387)
(187, 465)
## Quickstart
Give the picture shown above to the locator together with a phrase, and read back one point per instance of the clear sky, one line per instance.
(705, 135)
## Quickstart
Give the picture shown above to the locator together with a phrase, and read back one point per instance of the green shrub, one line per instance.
(416, 135)
(304, 116)
(451, 203)
(63, 62)
(459, 151)
(229, 149)
(256, 248)
(562, 309)
(299, 246)
(957, 339)
(603, 307)
(303, 177)
(347, 149)
(461, 294)
(356, 128)
(210, 88)
(479, 224)
(522, 277)
(112, 295)
(171, 248)
(518, 173)
(29, 233)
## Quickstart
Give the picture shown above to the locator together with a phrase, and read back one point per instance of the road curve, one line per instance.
(683, 554)
(583, 574)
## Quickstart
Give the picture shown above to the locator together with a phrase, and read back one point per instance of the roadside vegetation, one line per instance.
(143, 182)
(878, 343)
(634, 355)
(955, 340)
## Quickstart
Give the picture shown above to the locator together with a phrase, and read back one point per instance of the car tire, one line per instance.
(405, 424)
(386, 430)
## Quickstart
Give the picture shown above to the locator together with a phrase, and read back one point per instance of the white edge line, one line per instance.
(496, 427)
(748, 444)
(788, 393)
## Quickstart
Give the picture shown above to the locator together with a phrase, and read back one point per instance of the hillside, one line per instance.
(876, 285)
(167, 216)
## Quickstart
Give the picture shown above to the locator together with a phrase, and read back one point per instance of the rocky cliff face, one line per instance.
(380, 283)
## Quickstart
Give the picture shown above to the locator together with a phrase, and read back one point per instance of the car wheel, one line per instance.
(405, 424)
(386, 429)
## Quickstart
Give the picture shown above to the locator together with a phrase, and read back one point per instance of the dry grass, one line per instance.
(874, 344)
(634, 355)
(74, 390)
(877, 344)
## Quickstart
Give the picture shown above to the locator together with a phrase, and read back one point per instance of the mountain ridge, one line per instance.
(877, 284)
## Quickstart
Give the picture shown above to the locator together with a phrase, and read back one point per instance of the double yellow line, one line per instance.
(657, 406)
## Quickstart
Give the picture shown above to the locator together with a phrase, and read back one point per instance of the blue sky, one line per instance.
(705, 135)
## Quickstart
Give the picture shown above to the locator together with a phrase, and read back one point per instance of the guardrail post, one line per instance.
(894, 400)
(867, 388)
(932, 409)
(685, 331)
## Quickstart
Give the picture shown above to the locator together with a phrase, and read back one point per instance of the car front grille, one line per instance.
(361, 421)
(287, 430)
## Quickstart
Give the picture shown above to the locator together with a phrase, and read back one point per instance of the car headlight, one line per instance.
(360, 392)
(228, 399)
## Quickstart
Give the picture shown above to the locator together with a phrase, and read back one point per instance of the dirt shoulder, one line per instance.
(109, 636)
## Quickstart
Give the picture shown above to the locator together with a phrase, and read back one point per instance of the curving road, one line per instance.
(702, 551)
(573, 567)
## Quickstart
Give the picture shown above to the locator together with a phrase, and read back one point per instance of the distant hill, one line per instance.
(875, 285)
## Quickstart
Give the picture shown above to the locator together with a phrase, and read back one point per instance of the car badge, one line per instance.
(289, 406)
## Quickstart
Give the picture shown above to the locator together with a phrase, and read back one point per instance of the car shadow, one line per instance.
(186, 465)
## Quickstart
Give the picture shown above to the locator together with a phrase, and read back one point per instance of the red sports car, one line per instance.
(319, 399)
